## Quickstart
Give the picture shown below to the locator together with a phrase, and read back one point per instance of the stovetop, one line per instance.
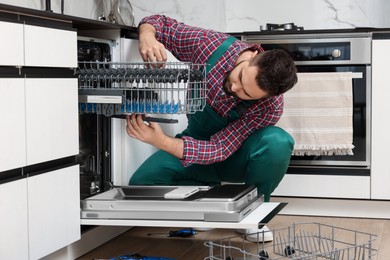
(291, 28)
(280, 27)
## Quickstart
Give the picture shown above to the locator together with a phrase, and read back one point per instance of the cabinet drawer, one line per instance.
(51, 119)
(336, 186)
(54, 210)
(13, 220)
(47, 47)
(13, 125)
(11, 45)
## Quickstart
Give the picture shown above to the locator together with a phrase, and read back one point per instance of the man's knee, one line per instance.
(272, 142)
(270, 158)
(278, 142)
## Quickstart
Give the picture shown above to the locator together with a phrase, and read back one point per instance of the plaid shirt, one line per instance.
(192, 44)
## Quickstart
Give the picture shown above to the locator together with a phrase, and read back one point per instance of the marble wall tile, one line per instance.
(79, 8)
(248, 15)
(33, 4)
(202, 13)
(236, 16)
(357, 13)
(84, 8)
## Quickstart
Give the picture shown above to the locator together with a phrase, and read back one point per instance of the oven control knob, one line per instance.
(288, 26)
(336, 53)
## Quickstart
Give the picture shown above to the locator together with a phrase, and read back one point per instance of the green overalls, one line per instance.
(262, 160)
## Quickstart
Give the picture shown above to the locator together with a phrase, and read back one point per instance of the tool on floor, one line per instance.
(187, 232)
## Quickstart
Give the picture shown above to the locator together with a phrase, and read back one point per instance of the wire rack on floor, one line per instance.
(112, 88)
(297, 241)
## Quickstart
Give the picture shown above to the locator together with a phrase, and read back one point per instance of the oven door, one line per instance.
(334, 53)
(337, 176)
(345, 176)
(361, 121)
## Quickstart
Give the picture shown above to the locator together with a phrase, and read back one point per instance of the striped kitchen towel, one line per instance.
(318, 114)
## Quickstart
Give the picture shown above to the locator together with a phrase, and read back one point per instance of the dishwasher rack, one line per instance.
(301, 241)
(112, 88)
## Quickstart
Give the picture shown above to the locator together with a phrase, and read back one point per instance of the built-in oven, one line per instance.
(332, 52)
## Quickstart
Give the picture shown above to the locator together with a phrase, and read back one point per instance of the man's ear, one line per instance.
(254, 54)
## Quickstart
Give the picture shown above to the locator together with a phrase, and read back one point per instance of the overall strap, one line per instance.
(219, 52)
(241, 108)
(204, 124)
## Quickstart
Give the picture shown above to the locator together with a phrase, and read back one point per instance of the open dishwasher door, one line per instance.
(225, 206)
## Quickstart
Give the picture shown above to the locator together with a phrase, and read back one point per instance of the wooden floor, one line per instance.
(138, 241)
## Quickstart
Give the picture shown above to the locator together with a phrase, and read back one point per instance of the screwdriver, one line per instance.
(187, 232)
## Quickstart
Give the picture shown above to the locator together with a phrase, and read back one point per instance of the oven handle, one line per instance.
(327, 62)
(355, 75)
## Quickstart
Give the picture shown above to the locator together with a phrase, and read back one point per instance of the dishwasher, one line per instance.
(108, 91)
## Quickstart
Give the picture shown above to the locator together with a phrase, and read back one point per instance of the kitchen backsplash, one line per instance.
(235, 16)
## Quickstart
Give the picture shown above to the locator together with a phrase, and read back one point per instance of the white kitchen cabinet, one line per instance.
(13, 125)
(48, 47)
(28, 45)
(40, 213)
(12, 44)
(13, 220)
(41, 123)
(54, 212)
(51, 119)
(380, 167)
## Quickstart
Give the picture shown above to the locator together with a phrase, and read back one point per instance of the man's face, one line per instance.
(241, 82)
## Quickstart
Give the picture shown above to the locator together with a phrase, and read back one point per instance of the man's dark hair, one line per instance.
(277, 72)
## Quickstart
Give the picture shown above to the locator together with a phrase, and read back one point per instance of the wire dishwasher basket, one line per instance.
(298, 241)
(111, 88)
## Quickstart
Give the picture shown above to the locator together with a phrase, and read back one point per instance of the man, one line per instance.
(233, 139)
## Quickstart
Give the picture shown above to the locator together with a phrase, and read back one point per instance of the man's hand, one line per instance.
(150, 49)
(147, 132)
(152, 133)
